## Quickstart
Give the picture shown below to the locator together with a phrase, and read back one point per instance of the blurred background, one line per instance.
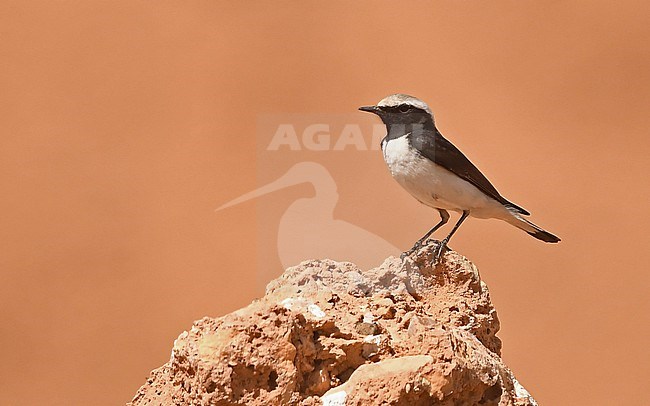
(125, 124)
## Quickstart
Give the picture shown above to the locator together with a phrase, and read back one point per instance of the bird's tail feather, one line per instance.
(531, 228)
(513, 207)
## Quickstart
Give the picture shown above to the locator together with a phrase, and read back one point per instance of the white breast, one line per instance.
(432, 184)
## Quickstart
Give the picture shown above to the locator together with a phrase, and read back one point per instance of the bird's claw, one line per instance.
(414, 248)
(437, 253)
(406, 254)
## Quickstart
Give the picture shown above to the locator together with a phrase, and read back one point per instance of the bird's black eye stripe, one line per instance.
(404, 108)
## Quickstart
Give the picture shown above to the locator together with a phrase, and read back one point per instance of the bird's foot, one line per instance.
(407, 253)
(414, 248)
(429, 241)
(439, 250)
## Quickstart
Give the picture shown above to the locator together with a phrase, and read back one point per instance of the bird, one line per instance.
(438, 174)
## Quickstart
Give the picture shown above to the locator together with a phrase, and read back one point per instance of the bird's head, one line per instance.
(401, 109)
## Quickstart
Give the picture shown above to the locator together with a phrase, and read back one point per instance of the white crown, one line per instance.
(397, 99)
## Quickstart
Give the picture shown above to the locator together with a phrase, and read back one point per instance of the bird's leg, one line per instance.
(443, 243)
(444, 217)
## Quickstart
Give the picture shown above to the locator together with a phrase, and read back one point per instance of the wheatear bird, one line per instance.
(437, 174)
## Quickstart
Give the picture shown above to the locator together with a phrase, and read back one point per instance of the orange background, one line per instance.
(125, 124)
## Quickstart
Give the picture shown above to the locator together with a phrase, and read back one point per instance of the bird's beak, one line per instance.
(370, 109)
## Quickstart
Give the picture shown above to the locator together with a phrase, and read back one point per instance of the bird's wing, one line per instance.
(436, 148)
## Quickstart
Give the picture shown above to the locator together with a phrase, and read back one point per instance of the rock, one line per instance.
(326, 333)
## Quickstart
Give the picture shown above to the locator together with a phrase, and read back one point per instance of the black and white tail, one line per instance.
(518, 221)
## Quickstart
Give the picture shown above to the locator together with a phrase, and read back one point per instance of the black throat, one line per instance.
(415, 131)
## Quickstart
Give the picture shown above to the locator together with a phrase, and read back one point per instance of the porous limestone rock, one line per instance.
(408, 332)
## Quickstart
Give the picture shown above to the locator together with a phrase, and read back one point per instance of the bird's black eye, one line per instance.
(404, 108)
